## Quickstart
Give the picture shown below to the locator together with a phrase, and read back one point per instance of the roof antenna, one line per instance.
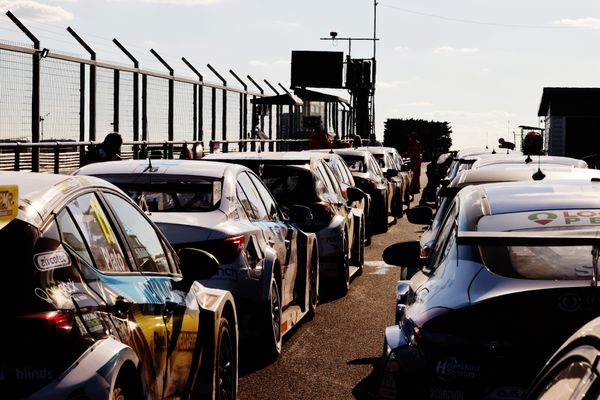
(539, 175)
(493, 151)
(528, 159)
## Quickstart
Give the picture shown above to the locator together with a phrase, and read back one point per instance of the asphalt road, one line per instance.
(333, 356)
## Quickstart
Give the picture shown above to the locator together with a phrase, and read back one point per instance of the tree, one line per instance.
(433, 135)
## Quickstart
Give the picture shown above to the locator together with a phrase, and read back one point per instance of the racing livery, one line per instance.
(101, 306)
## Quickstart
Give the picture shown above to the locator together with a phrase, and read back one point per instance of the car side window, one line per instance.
(266, 196)
(243, 199)
(258, 208)
(322, 174)
(375, 166)
(445, 240)
(334, 180)
(141, 236)
(72, 237)
(98, 233)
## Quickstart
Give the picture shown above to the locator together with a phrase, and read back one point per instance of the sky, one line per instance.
(480, 65)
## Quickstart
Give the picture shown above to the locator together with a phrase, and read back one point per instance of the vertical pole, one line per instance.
(240, 119)
(195, 113)
(81, 109)
(224, 116)
(136, 113)
(201, 113)
(213, 126)
(116, 84)
(35, 110)
(35, 90)
(92, 102)
(144, 107)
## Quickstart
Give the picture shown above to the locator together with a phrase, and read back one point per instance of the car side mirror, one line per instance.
(448, 191)
(420, 215)
(196, 264)
(354, 194)
(390, 173)
(299, 214)
(444, 182)
(404, 254)
(405, 167)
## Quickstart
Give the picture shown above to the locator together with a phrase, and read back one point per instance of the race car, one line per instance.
(98, 305)
(269, 265)
(513, 272)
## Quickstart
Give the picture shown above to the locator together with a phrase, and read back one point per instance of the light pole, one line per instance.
(42, 118)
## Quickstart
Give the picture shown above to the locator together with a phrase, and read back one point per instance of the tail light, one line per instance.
(430, 325)
(425, 250)
(344, 192)
(58, 322)
(225, 250)
(322, 211)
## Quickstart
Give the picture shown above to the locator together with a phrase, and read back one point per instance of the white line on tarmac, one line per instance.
(381, 268)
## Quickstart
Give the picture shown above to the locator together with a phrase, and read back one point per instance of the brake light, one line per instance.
(59, 322)
(235, 244)
(425, 252)
(344, 192)
(225, 250)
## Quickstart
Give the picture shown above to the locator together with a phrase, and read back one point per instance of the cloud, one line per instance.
(586, 23)
(453, 50)
(33, 11)
(485, 115)
(287, 24)
(417, 104)
(184, 2)
(400, 48)
(258, 63)
(390, 84)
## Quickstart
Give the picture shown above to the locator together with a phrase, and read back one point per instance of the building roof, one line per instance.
(569, 101)
(286, 99)
(311, 95)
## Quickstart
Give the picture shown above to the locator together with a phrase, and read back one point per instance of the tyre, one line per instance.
(126, 389)
(313, 282)
(225, 377)
(273, 336)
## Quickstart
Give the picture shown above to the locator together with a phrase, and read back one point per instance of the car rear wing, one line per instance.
(530, 238)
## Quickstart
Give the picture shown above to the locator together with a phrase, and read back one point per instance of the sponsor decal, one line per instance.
(160, 342)
(186, 341)
(543, 218)
(27, 373)
(58, 295)
(9, 203)
(52, 260)
(227, 273)
(445, 394)
(92, 321)
(447, 369)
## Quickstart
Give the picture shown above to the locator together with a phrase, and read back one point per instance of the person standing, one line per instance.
(319, 140)
(414, 152)
(373, 141)
(108, 150)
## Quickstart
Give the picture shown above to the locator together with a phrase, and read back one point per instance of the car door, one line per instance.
(135, 307)
(180, 312)
(285, 244)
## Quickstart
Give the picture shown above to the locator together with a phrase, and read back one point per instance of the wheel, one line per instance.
(313, 282)
(272, 345)
(361, 250)
(125, 389)
(399, 205)
(225, 385)
(343, 279)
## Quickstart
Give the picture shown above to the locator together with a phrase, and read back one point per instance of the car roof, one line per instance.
(476, 151)
(268, 156)
(172, 167)
(519, 172)
(514, 158)
(43, 191)
(352, 152)
(377, 149)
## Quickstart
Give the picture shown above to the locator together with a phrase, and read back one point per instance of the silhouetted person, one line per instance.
(373, 141)
(414, 151)
(108, 150)
(356, 141)
(319, 140)
(185, 153)
(533, 144)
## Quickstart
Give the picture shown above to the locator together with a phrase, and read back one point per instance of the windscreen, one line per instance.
(174, 194)
(355, 163)
(289, 185)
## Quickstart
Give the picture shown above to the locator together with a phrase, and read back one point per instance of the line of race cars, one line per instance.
(144, 278)
(505, 273)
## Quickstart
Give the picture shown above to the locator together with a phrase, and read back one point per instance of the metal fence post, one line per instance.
(35, 90)
(224, 108)
(198, 118)
(170, 133)
(262, 92)
(243, 108)
(136, 97)
(92, 99)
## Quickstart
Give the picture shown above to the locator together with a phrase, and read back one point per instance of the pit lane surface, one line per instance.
(333, 356)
